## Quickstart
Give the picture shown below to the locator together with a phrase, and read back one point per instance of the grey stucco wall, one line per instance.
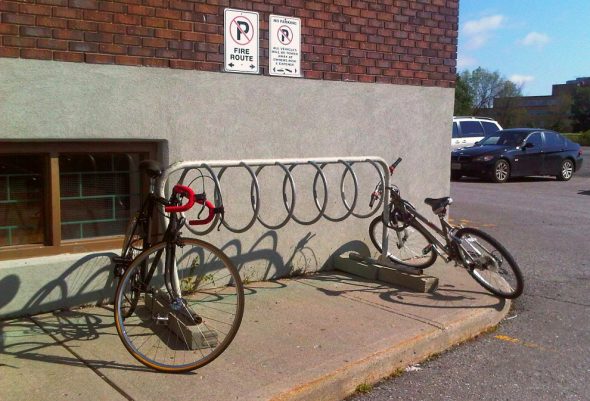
(204, 116)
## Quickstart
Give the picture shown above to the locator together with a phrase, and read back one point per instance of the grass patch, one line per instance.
(364, 388)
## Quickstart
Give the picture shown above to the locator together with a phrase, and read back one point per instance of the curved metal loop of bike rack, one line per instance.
(290, 210)
(342, 194)
(254, 200)
(287, 165)
(382, 180)
(321, 209)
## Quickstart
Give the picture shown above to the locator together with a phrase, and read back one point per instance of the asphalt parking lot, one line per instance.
(542, 350)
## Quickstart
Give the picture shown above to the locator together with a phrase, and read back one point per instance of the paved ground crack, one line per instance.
(78, 357)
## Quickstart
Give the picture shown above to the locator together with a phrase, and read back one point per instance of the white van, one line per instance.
(468, 130)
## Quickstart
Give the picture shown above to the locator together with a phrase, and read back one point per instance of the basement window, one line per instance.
(67, 197)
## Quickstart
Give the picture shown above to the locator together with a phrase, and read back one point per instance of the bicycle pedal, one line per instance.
(427, 249)
(121, 265)
(160, 320)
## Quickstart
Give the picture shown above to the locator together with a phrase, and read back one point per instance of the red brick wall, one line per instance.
(397, 41)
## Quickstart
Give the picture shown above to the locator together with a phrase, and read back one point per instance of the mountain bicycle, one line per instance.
(412, 245)
(179, 301)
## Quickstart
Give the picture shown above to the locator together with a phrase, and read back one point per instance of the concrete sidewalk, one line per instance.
(310, 338)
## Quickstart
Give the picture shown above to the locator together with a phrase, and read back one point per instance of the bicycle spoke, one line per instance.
(171, 339)
(490, 264)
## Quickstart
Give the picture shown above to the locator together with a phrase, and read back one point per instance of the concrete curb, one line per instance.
(343, 382)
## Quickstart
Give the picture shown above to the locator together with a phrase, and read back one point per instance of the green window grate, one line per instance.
(97, 193)
(21, 200)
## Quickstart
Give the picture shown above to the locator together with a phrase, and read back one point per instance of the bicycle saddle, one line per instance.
(438, 204)
(151, 167)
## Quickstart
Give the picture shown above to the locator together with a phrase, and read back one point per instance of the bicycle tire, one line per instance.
(490, 269)
(411, 252)
(163, 337)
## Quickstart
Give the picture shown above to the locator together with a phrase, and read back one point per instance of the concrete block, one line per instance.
(198, 336)
(356, 268)
(417, 283)
(372, 270)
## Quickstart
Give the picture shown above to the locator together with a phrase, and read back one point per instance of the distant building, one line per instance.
(539, 111)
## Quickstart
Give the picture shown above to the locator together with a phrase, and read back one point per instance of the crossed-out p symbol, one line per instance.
(240, 30)
(285, 35)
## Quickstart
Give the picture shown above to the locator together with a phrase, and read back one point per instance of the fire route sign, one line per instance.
(241, 41)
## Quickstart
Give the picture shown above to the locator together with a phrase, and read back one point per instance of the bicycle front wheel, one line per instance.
(409, 247)
(489, 263)
(182, 334)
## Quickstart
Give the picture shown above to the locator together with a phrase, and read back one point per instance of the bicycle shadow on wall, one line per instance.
(9, 287)
(89, 280)
(447, 296)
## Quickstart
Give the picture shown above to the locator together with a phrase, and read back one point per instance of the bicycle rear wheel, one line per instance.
(184, 334)
(489, 263)
(412, 248)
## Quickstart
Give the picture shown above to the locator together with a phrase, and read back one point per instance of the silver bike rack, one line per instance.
(254, 167)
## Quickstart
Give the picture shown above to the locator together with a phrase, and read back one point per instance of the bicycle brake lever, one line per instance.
(200, 211)
(221, 221)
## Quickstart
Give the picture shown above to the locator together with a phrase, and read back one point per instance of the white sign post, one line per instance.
(284, 46)
(241, 41)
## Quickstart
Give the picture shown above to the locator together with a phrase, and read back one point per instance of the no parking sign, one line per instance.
(241, 41)
(284, 36)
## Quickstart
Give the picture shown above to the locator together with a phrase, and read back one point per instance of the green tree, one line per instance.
(484, 86)
(463, 99)
(581, 109)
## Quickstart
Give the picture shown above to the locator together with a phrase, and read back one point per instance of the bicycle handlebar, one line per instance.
(191, 199)
(394, 165)
(210, 216)
(378, 191)
(187, 193)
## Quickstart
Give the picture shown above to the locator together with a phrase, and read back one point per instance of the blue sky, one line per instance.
(536, 43)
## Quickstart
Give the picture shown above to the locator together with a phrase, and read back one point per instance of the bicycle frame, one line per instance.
(145, 222)
(445, 231)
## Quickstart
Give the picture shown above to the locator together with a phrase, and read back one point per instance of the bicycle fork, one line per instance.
(173, 286)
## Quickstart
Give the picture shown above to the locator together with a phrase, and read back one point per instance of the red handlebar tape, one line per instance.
(188, 193)
(206, 220)
(192, 198)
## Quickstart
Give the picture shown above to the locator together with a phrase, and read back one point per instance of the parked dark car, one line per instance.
(518, 152)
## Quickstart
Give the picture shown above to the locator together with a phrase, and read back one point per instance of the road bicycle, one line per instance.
(179, 301)
(412, 245)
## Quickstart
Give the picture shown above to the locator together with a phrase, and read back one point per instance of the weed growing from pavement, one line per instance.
(364, 388)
